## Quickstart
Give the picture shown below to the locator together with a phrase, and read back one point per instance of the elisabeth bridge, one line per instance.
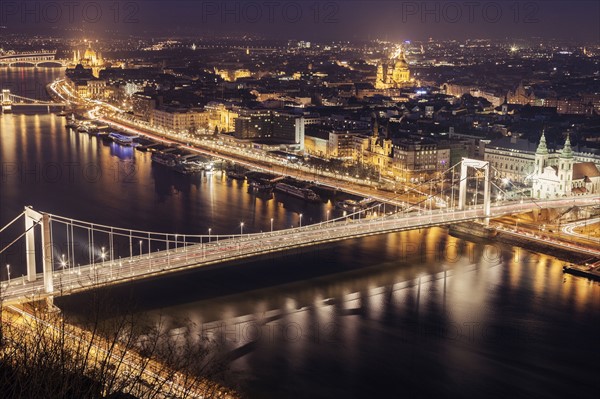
(77, 256)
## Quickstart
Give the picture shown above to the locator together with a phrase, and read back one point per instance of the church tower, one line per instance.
(565, 167)
(541, 156)
(380, 82)
(375, 126)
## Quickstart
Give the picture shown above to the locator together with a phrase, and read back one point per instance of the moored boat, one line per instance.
(122, 139)
(187, 168)
(235, 175)
(261, 186)
(164, 159)
(303, 193)
(352, 205)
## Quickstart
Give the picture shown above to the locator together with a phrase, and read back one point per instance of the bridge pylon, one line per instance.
(465, 164)
(6, 100)
(32, 219)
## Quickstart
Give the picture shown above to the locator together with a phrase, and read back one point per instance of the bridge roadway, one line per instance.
(138, 267)
(31, 58)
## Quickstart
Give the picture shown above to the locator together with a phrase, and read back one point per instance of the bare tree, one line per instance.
(44, 354)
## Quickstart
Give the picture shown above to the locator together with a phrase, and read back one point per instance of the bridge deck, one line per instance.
(137, 267)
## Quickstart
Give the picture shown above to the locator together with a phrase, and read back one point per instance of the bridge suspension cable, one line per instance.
(19, 237)
(11, 222)
(22, 99)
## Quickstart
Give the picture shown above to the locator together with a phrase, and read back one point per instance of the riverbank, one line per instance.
(560, 249)
(247, 157)
(590, 269)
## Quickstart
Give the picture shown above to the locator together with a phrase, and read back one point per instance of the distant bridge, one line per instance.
(9, 100)
(32, 58)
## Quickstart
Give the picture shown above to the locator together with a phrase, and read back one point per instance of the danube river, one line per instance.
(413, 314)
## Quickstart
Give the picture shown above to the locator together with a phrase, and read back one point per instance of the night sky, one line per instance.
(311, 19)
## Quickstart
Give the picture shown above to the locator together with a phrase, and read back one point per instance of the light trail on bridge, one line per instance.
(570, 229)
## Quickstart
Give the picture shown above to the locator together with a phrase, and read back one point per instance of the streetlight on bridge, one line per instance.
(209, 230)
(8, 272)
(103, 256)
(271, 225)
(241, 229)
(300, 220)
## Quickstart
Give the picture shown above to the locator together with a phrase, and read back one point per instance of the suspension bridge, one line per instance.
(10, 101)
(78, 255)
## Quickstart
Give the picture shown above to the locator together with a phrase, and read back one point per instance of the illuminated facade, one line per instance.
(378, 152)
(418, 159)
(221, 117)
(90, 59)
(393, 73)
(231, 75)
(271, 126)
(180, 120)
(565, 177)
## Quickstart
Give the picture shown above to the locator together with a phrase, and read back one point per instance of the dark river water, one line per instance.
(414, 314)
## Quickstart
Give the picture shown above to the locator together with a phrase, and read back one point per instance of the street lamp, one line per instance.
(209, 230)
(140, 248)
(271, 225)
(241, 229)
(300, 220)
(328, 215)
(103, 256)
(63, 263)
(8, 272)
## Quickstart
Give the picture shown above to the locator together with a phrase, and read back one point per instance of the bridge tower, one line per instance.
(465, 164)
(6, 100)
(32, 219)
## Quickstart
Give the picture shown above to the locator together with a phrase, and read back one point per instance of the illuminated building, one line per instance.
(188, 120)
(90, 60)
(379, 150)
(512, 157)
(521, 161)
(419, 159)
(221, 117)
(83, 82)
(393, 73)
(270, 126)
(231, 75)
(565, 177)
